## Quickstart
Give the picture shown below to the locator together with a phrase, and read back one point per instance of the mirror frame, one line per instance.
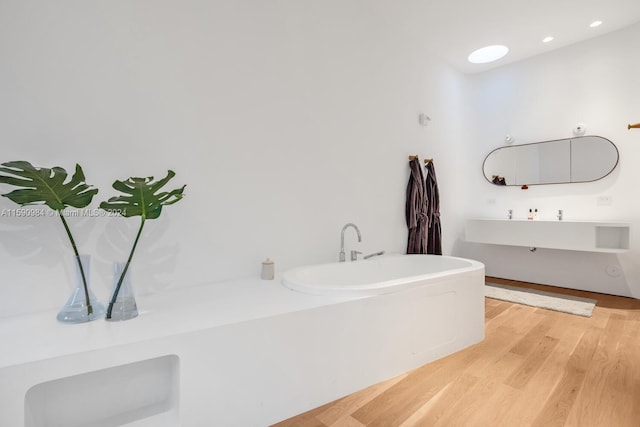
(524, 185)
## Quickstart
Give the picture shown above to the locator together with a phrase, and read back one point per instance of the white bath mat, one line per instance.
(532, 297)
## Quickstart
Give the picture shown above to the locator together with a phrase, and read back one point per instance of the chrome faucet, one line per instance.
(355, 227)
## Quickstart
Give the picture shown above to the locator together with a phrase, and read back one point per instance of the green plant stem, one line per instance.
(124, 271)
(75, 251)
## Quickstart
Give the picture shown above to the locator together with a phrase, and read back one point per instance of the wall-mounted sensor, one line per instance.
(580, 129)
(423, 119)
(508, 140)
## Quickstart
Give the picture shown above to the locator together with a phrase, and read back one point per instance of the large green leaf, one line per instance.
(46, 186)
(43, 186)
(141, 197)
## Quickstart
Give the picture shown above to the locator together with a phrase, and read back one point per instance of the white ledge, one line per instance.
(37, 337)
(203, 355)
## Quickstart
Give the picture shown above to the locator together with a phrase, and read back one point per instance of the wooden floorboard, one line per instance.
(535, 367)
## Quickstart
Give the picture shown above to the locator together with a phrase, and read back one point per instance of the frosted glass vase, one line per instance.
(75, 310)
(124, 307)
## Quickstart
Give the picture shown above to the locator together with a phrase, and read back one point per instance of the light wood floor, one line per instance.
(535, 368)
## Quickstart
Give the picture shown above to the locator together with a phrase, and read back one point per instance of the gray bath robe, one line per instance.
(434, 230)
(416, 210)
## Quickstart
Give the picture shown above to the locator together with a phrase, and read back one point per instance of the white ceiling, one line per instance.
(454, 28)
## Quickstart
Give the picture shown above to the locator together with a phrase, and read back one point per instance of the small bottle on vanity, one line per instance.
(530, 216)
(535, 214)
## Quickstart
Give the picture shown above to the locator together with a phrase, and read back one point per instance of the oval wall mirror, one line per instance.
(579, 159)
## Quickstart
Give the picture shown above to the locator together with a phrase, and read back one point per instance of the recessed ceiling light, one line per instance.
(488, 54)
(595, 24)
(547, 39)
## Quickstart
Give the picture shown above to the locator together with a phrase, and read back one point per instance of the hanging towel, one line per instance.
(416, 210)
(434, 232)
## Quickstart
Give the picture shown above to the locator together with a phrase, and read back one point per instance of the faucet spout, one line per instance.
(373, 254)
(355, 227)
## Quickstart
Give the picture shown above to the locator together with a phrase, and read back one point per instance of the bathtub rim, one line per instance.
(378, 288)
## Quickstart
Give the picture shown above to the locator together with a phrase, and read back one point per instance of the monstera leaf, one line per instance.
(44, 186)
(142, 197)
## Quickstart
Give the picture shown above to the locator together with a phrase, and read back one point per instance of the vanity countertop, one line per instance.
(583, 235)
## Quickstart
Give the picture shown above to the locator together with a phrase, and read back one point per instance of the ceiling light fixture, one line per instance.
(488, 54)
(547, 39)
(595, 24)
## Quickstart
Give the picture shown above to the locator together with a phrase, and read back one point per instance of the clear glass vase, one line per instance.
(124, 307)
(76, 309)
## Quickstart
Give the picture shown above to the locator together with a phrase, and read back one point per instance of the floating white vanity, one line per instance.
(590, 236)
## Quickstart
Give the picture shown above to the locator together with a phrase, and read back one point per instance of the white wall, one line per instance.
(596, 83)
(285, 120)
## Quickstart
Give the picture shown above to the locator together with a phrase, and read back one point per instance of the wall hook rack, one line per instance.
(418, 158)
(635, 126)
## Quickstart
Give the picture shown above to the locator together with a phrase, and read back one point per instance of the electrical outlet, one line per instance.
(604, 201)
(613, 271)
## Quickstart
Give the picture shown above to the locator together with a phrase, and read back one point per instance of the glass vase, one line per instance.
(76, 310)
(124, 307)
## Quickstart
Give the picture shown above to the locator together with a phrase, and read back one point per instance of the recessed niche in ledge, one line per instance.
(142, 393)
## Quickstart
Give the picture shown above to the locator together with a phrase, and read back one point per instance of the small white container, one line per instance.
(268, 270)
